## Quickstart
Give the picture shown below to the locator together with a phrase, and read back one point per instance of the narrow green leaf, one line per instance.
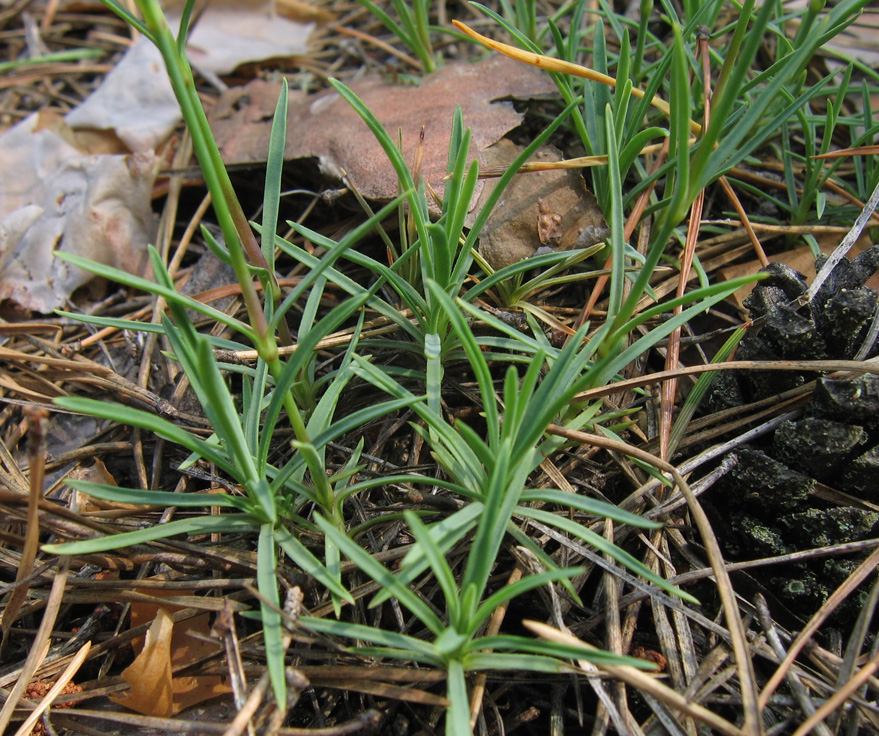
(274, 169)
(128, 17)
(381, 575)
(515, 663)
(271, 616)
(199, 525)
(441, 570)
(348, 630)
(220, 408)
(183, 32)
(446, 534)
(171, 295)
(587, 505)
(121, 324)
(310, 565)
(156, 498)
(508, 592)
(458, 713)
(150, 422)
(616, 222)
(602, 545)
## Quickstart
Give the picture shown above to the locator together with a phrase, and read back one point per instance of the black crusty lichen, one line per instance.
(767, 505)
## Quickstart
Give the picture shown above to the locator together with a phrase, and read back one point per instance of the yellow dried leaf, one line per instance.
(166, 646)
(149, 675)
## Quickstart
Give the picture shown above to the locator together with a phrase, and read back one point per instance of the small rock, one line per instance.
(866, 264)
(793, 335)
(842, 277)
(801, 587)
(791, 283)
(543, 208)
(757, 539)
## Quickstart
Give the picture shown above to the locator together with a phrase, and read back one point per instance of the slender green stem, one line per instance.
(236, 230)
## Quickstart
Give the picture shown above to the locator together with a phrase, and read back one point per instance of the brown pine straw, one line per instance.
(37, 419)
(40, 644)
(837, 700)
(803, 638)
(669, 388)
(750, 703)
(673, 351)
(366, 722)
(745, 220)
(642, 682)
(378, 43)
(845, 366)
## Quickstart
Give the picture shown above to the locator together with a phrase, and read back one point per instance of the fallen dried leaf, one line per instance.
(304, 12)
(154, 690)
(97, 472)
(150, 674)
(54, 198)
(230, 33)
(327, 128)
(135, 100)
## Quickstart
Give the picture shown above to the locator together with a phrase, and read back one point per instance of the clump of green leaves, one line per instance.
(525, 384)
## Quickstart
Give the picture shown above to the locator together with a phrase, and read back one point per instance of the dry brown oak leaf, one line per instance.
(326, 127)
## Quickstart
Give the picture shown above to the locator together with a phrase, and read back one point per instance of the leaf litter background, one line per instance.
(92, 152)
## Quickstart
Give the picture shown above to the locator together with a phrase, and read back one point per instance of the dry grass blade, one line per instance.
(365, 722)
(806, 554)
(845, 152)
(297, 682)
(838, 699)
(378, 43)
(796, 684)
(37, 427)
(673, 351)
(852, 366)
(859, 636)
(830, 605)
(384, 690)
(746, 221)
(738, 637)
(29, 328)
(40, 646)
(581, 162)
(224, 628)
(845, 246)
(643, 683)
(562, 67)
(615, 644)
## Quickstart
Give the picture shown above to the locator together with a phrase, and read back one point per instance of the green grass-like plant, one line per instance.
(412, 28)
(525, 384)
